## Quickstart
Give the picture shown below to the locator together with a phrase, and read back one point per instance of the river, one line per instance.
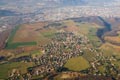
(102, 31)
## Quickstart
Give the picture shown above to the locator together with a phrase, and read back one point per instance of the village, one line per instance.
(62, 48)
(66, 45)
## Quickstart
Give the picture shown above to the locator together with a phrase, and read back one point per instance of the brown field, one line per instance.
(33, 33)
(28, 33)
(115, 39)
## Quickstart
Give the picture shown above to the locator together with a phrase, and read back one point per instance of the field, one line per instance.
(114, 39)
(77, 64)
(19, 44)
(6, 68)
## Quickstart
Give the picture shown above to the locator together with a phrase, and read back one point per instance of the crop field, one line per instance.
(77, 64)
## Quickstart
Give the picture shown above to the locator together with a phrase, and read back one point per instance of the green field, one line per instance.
(18, 44)
(77, 64)
(93, 37)
(5, 69)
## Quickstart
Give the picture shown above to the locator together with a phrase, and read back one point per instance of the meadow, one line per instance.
(77, 64)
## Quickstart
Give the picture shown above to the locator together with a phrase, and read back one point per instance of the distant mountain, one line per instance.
(60, 2)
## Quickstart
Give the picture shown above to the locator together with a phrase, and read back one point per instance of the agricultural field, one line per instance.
(77, 64)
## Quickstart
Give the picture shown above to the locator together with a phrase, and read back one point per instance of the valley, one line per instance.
(85, 40)
(59, 40)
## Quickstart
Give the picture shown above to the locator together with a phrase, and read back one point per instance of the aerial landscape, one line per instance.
(59, 40)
